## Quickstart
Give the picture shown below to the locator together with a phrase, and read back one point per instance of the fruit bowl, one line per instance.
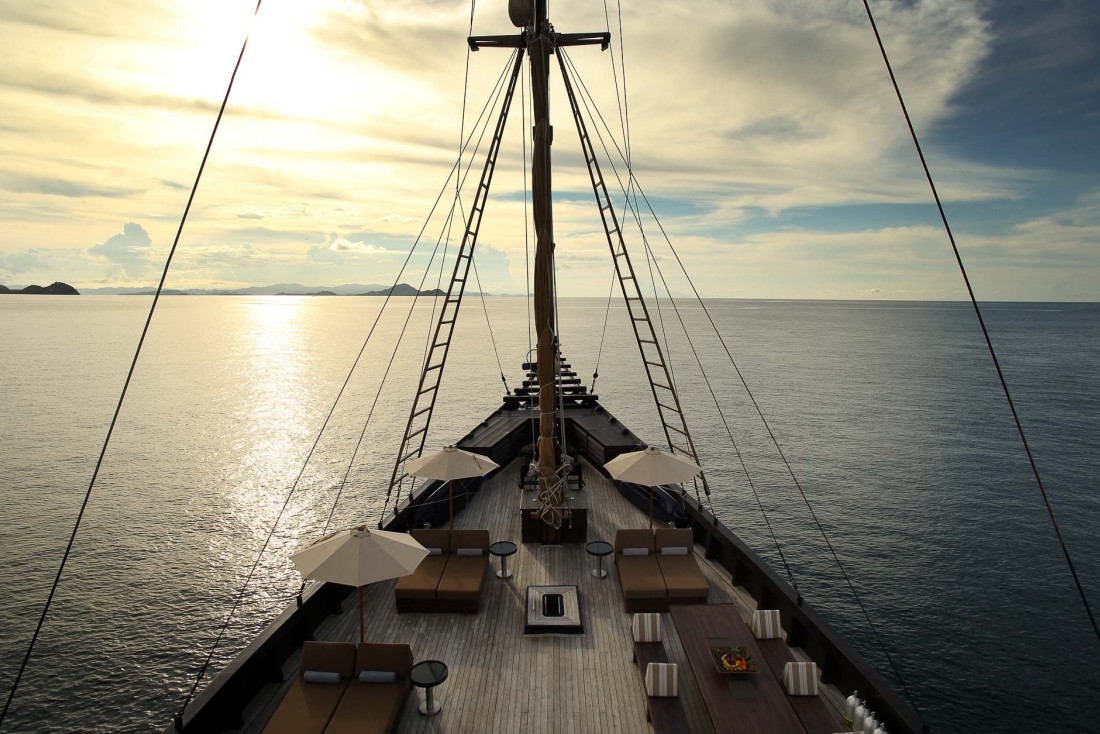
(732, 660)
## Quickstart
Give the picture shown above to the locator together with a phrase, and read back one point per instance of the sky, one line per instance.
(765, 135)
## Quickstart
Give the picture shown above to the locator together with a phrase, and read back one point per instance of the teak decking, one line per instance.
(503, 681)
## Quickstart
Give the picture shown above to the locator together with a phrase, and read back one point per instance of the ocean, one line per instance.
(889, 414)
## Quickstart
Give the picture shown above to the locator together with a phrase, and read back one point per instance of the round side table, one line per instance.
(427, 675)
(599, 549)
(503, 549)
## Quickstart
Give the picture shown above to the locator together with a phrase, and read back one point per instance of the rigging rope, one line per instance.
(492, 337)
(985, 331)
(775, 442)
(603, 332)
(129, 377)
(490, 104)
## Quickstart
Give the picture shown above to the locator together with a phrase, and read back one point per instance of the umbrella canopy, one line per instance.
(359, 556)
(652, 467)
(450, 463)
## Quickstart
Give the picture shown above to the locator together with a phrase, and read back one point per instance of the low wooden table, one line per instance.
(731, 704)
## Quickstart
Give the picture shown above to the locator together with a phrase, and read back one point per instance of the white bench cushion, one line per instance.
(660, 680)
(765, 624)
(646, 627)
(800, 679)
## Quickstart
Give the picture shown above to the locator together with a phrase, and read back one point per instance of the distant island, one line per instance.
(281, 289)
(57, 288)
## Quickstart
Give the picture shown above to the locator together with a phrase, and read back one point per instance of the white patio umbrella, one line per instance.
(448, 464)
(652, 467)
(359, 556)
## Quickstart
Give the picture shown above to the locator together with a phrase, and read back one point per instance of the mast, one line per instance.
(540, 40)
(550, 493)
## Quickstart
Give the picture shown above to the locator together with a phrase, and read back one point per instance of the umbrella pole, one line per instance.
(651, 508)
(360, 613)
(451, 495)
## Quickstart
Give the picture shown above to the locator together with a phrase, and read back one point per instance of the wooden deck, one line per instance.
(503, 681)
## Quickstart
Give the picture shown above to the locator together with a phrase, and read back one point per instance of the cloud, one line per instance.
(128, 251)
(28, 261)
(31, 184)
(362, 248)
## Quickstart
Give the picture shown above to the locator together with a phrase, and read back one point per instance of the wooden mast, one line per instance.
(540, 40)
(550, 491)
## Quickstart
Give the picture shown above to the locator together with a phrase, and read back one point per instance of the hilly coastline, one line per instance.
(279, 289)
(57, 288)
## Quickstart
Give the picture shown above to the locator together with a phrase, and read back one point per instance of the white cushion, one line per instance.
(646, 627)
(468, 552)
(660, 680)
(635, 551)
(321, 676)
(435, 551)
(800, 679)
(675, 550)
(766, 624)
(377, 676)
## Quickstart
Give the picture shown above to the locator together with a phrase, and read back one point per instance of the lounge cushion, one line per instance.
(470, 539)
(307, 707)
(800, 679)
(422, 583)
(377, 676)
(682, 577)
(673, 538)
(321, 676)
(433, 538)
(766, 624)
(660, 680)
(675, 550)
(635, 551)
(384, 656)
(633, 538)
(468, 552)
(463, 578)
(646, 627)
(374, 707)
(641, 577)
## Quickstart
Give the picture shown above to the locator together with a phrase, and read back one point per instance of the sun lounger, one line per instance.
(417, 591)
(464, 577)
(451, 581)
(308, 706)
(373, 703)
(684, 579)
(639, 573)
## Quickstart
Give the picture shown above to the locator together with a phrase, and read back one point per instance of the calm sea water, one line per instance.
(888, 412)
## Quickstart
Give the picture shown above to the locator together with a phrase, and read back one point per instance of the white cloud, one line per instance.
(128, 251)
(346, 118)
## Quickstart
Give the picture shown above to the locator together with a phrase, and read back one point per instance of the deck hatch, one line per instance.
(553, 609)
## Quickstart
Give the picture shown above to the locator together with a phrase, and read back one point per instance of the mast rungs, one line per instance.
(655, 364)
(428, 389)
(662, 406)
(685, 452)
(433, 367)
(682, 433)
(663, 387)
